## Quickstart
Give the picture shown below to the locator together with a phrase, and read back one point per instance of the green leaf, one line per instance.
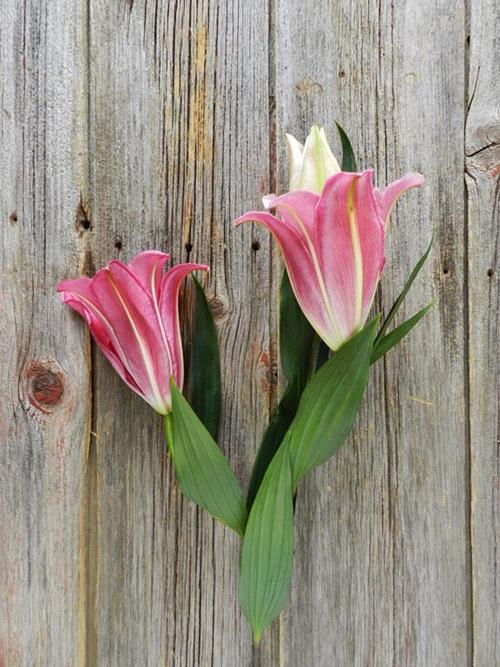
(267, 556)
(205, 365)
(384, 344)
(275, 432)
(330, 402)
(409, 282)
(203, 472)
(325, 416)
(296, 334)
(348, 159)
(297, 351)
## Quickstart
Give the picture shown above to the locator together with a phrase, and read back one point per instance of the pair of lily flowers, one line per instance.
(330, 228)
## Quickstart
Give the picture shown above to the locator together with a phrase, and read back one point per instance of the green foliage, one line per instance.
(326, 413)
(205, 365)
(348, 159)
(388, 341)
(203, 472)
(297, 346)
(267, 556)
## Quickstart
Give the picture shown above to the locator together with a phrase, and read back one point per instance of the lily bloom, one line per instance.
(333, 247)
(312, 163)
(133, 315)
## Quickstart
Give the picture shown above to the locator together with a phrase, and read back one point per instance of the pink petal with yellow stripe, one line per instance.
(333, 247)
(132, 313)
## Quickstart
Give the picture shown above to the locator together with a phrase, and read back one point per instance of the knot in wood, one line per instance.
(308, 87)
(45, 387)
(218, 307)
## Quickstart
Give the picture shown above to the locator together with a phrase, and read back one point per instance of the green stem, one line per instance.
(169, 432)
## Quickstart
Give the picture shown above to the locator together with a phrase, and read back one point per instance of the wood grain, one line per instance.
(132, 124)
(44, 350)
(179, 131)
(382, 530)
(482, 150)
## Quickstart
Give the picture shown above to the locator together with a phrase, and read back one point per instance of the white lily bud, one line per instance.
(312, 163)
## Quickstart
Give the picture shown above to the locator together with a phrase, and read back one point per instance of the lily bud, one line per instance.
(132, 313)
(312, 163)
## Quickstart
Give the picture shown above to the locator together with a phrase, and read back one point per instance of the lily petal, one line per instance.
(299, 262)
(391, 193)
(351, 247)
(168, 307)
(78, 295)
(296, 209)
(295, 157)
(147, 267)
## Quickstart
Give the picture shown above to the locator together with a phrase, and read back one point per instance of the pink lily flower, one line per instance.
(333, 247)
(133, 315)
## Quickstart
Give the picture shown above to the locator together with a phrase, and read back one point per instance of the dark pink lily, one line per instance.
(333, 247)
(132, 313)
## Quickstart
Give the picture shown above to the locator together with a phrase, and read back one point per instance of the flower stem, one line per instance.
(169, 432)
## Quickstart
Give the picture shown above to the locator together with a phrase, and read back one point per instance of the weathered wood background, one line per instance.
(126, 125)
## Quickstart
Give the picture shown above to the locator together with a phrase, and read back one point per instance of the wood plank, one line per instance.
(482, 149)
(179, 144)
(382, 534)
(343, 570)
(44, 352)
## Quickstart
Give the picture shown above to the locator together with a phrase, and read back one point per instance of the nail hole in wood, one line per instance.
(82, 217)
(446, 271)
(13, 218)
(341, 73)
(490, 273)
(188, 246)
(255, 246)
(118, 244)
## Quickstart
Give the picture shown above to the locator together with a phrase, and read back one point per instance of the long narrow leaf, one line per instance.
(409, 282)
(325, 416)
(297, 348)
(275, 432)
(203, 472)
(330, 402)
(391, 339)
(348, 159)
(205, 365)
(267, 556)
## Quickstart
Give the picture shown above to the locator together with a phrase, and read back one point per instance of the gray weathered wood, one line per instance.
(131, 124)
(482, 148)
(381, 542)
(44, 350)
(178, 142)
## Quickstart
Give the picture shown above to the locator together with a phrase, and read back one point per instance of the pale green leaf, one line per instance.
(384, 344)
(267, 557)
(330, 402)
(203, 472)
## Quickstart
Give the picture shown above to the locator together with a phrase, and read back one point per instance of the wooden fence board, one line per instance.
(44, 350)
(482, 149)
(381, 542)
(179, 127)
